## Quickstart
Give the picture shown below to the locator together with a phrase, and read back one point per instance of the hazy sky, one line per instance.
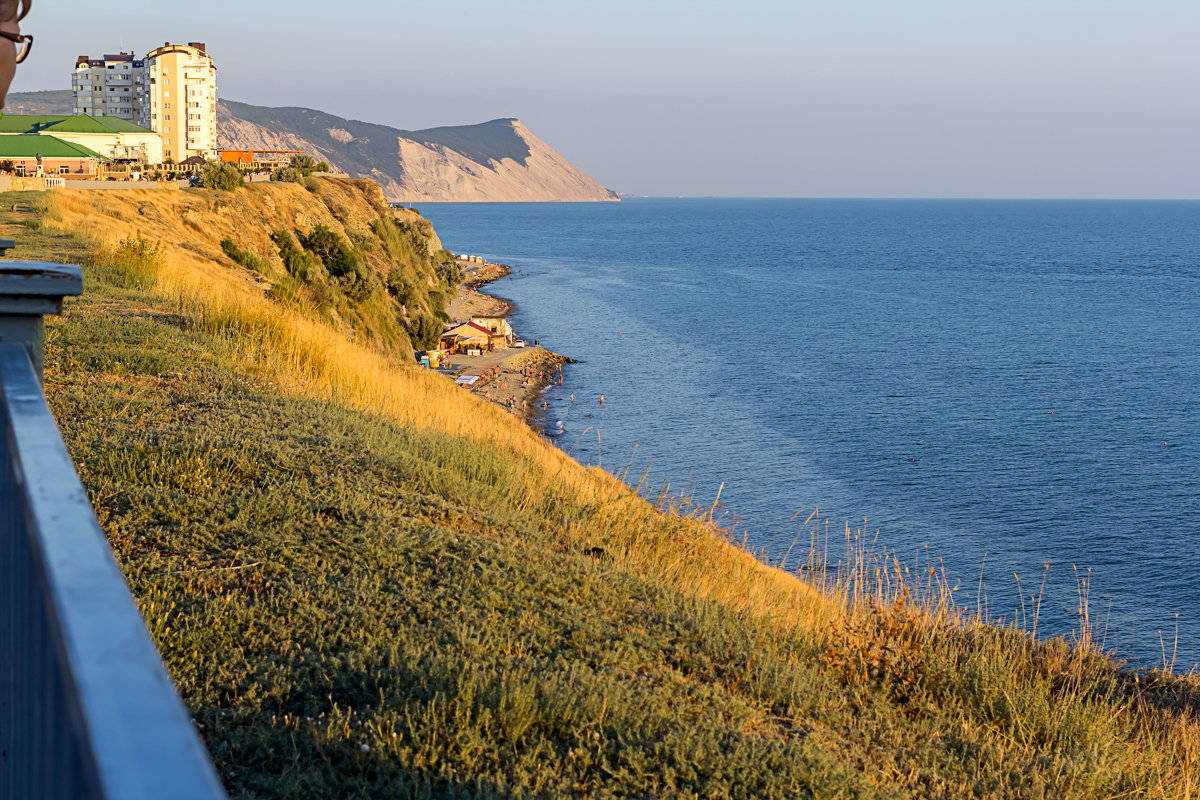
(858, 98)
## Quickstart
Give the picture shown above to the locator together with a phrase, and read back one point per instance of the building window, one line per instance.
(63, 169)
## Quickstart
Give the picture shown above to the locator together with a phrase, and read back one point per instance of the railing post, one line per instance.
(28, 291)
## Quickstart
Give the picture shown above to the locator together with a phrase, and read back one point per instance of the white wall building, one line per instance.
(181, 87)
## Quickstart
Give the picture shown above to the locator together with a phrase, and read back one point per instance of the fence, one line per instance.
(87, 709)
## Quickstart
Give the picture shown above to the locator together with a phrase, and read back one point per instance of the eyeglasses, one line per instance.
(23, 41)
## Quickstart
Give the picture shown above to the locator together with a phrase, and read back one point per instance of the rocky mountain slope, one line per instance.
(497, 161)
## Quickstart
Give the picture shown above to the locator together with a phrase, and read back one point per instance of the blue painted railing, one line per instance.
(87, 709)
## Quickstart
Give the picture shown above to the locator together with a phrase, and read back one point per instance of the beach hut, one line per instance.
(466, 336)
(497, 326)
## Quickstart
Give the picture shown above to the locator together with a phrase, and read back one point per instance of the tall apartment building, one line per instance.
(112, 86)
(172, 91)
(181, 87)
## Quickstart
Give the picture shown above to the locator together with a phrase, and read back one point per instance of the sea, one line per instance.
(1007, 390)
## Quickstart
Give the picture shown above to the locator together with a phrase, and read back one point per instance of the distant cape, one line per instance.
(497, 161)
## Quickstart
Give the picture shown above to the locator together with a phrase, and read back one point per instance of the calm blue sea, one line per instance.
(1019, 379)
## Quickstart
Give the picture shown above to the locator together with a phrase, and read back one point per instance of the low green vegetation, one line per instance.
(242, 257)
(356, 608)
(220, 175)
(299, 168)
(134, 263)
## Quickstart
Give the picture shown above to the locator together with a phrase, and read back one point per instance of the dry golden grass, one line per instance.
(309, 358)
(881, 626)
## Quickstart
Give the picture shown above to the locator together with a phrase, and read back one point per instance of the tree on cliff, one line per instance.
(220, 175)
(299, 168)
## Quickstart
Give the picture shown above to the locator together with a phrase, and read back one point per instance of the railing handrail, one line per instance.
(131, 735)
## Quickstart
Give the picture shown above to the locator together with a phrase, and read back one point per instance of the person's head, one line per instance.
(11, 14)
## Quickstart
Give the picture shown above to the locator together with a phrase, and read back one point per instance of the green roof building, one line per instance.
(32, 154)
(25, 146)
(107, 138)
(55, 124)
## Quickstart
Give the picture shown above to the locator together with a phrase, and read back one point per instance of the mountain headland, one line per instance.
(494, 162)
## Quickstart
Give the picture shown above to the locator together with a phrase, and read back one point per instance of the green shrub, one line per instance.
(360, 282)
(287, 290)
(220, 175)
(399, 288)
(298, 263)
(288, 175)
(450, 273)
(305, 163)
(134, 263)
(424, 332)
(300, 167)
(247, 260)
(337, 256)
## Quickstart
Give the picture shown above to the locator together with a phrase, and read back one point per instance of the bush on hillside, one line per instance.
(304, 163)
(240, 256)
(298, 262)
(360, 282)
(220, 175)
(335, 253)
(288, 175)
(424, 332)
(134, 263)
(299, 168)
(399, 288)
(450, 273)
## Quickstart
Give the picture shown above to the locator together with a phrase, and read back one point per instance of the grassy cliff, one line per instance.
(367, 583)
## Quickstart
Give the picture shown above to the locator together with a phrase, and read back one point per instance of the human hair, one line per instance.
(14, 10)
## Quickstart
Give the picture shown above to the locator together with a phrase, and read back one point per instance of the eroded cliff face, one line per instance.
(497, 161)
(438, 173)
(238, 134)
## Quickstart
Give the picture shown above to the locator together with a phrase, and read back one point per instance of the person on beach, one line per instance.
(15, 46)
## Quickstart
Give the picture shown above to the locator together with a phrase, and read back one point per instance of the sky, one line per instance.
(755, 98)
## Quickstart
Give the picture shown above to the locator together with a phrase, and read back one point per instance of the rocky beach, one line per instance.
(514, 378)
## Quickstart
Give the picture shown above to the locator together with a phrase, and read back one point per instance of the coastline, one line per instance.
(514, 378)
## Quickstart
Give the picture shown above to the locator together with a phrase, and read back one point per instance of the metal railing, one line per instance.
(87, 709)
